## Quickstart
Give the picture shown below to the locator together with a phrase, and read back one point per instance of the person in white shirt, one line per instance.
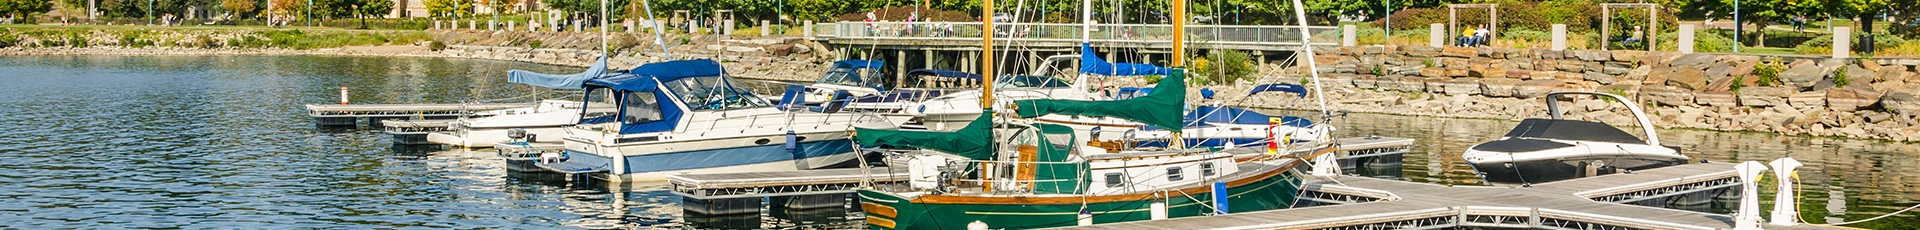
(1480, 35)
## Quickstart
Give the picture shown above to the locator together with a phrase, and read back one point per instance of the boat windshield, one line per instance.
(713, 93)
(600, 107)
(1024, 81)
(850, 76)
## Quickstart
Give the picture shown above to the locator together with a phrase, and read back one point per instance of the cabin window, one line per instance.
(713, 93)
(1115, 180)
(1206, 169)
(600, 104)
(1173, 174)
(641, 107)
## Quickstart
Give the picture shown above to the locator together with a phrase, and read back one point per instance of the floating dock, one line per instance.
(414, 132)
(740, 193)
(350, 114)
(1600, 202)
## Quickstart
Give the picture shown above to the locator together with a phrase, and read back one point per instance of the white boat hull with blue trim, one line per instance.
(686, 116)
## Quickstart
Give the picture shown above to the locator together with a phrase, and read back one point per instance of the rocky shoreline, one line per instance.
(1818, 96)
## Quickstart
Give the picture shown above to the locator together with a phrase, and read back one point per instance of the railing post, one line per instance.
(1686, 39)
(1437, 35)
(1842, 46)
(1560, 37)
(1347, 34)
(807, 30)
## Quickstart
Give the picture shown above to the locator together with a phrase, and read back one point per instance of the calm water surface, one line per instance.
(221, 142)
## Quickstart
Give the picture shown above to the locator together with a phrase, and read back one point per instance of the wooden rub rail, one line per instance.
(1587, 203)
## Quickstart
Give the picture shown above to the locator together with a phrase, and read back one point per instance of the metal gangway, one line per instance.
(350, 114)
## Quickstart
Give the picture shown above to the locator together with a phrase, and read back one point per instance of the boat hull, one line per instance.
(887, 211)
(1541, 171)
(755, 158)
(483, 138)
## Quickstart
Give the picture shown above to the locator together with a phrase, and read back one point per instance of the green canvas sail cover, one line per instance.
(1055, 172)
(975, 141)
(1162, 107)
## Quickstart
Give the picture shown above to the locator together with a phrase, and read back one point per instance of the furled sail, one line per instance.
(1091, 63)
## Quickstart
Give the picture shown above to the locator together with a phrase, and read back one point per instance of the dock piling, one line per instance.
(1748, 215)
(1785, 205)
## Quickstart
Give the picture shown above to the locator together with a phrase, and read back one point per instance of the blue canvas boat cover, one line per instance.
(558, 81)
(646, 77)
(1279, 87)
(1091, 63)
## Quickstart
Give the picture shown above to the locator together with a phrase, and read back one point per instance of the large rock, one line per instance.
(1463, 86)
(1810, 100)
(1498, 87)
(1765, 96)
(1458, 52)
(1715, 99)
(1891, 74)
(1667, 95)
(1851, 98)
(1421, 51)
(1719, 71)
(1639, 73)
(1366, 82)
(1436, 84)
(1857, 75)
(1536, 88)
(1598, 77)
(1403, 83)
(1552, 54)
(1592, 55)
(1803, 74)
(1743, 68)
(1687, 78)
(1627, 55)
(1693, 60)
(1433, 72)
(1904, 103)
(1570, 65)
(1453, 62)
(1519, 74)
(1404, 69)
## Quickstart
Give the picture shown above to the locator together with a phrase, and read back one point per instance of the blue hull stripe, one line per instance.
(1215, 142)
(731, 156)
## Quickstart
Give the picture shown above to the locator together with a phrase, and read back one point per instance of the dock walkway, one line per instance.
(1586, 203)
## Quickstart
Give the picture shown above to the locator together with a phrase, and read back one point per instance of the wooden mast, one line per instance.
(1179, 57)
(986, 55)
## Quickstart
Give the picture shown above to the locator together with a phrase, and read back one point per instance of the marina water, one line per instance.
(221, 142)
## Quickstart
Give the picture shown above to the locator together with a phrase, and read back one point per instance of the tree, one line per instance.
(65, 5)
(372, 8)
(1764, 12)
(454, 7)
(23, 8)
(240, 7)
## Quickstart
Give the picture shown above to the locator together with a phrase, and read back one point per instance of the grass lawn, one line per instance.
(1766, 50)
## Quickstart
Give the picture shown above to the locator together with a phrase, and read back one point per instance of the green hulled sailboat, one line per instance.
(1014, 173)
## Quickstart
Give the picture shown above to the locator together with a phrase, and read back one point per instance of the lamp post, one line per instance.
(1737, 26)
(1389, 20)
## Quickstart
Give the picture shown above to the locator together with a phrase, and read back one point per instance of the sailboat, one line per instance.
(1019, 172)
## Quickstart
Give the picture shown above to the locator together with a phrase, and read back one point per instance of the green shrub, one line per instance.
(436, 46)
(1222, 67)
(1769, 71)
(535, 44)
(1840, 78)
(8, 39)
(203, 42)
(75, 40)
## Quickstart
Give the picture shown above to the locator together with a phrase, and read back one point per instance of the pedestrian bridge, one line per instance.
(1063, 37)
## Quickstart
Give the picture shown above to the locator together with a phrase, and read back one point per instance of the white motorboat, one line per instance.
(542, 123)
(1542, 150)
(682, 116)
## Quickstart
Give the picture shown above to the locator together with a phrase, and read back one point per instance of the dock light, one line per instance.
(343, 95)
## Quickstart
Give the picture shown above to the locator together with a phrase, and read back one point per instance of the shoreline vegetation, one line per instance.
(777, 59)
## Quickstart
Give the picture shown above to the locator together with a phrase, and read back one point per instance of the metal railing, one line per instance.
(1061, 32)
